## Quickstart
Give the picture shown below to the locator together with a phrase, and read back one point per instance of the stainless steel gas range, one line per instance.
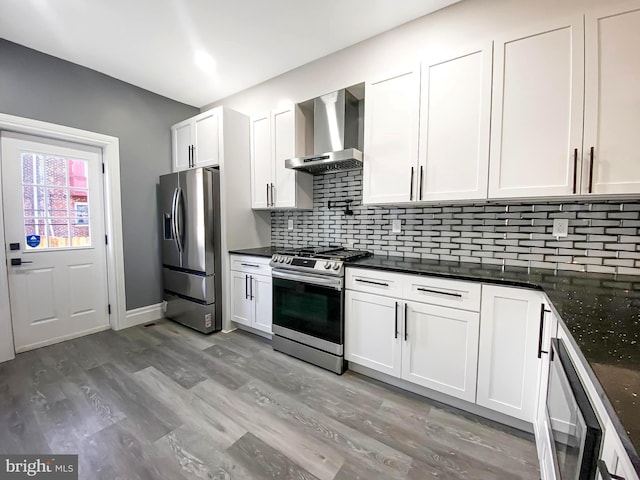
(308, 304)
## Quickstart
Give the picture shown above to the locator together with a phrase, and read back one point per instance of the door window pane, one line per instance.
(55, 201)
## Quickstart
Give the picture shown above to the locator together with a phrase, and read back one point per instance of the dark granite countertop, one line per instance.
(601, 311)
(256, 252)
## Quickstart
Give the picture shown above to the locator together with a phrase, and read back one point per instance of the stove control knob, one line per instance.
(327, 265)
(287, 260)
(281, 259)
(336, 266)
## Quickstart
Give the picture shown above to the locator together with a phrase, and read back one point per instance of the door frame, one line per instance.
(110, 147)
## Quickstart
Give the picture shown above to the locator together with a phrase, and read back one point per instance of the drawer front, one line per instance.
(374, 281)
(464, 295)
(251, 264)
(198, 287)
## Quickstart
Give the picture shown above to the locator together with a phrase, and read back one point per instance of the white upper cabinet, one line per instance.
(288, 137)
(261, 164)
(181, 145)
(612, 96)
(206, 139)
(276, 136)
(391, 124)
(195, 141)
(536, 124)
(455, 116)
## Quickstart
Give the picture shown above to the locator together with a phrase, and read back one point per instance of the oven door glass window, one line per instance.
(308, 309)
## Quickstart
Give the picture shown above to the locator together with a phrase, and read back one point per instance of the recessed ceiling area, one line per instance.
(200, 51)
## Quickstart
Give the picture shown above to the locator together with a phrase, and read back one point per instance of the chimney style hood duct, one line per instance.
(335, 136)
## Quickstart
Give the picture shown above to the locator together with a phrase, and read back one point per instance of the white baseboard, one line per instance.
(63, 338)
(141, 315)
(255, 331)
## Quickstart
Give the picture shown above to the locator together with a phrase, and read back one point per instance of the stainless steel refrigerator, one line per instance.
(191, 254)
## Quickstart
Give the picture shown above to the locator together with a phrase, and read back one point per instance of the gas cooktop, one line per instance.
(325, 253)
(317, 260)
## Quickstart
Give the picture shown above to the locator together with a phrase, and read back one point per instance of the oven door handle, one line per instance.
(335, 283)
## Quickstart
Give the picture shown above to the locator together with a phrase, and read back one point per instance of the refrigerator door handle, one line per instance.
(179, 219)
(174, 229)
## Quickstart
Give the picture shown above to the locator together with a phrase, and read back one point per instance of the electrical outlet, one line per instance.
(350, 243)
(560, 227)
(290, 225)
(396, 226)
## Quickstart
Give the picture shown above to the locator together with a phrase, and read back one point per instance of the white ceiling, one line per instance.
(154, 43)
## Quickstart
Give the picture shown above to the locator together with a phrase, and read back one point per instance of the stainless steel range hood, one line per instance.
(335, 136)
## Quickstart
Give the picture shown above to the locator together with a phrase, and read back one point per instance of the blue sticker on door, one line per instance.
(33, 240)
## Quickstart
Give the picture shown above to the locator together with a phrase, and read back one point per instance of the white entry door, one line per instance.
(54, 239)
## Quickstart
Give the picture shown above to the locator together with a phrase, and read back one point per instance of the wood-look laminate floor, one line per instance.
(164, 402)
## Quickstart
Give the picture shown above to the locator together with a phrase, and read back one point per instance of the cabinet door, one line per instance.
(206, 138)
(372, 332)
(454, 126)
(241, 303)
(546, 453)
(541, 423)
(537, 113)
(391, 118)
(508, 362)
(612, 116)
(288, 142)
(180, 145)
(440, 349)
(261, 161)
(262, 294)
(549, 329)
(615, 456)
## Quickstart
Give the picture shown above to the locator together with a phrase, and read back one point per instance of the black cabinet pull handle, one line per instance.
(246, 287)
(250, 265)
(575, 170)
(268, 203)
(421, 178)
(396, 324)
(420, 289)
(372, 282)
(406, 333)
(591, 154)
(250, 287)
(604, 471)
(541, 331)
(411, 186)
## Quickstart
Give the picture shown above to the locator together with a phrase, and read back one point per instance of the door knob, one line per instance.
(16, 262)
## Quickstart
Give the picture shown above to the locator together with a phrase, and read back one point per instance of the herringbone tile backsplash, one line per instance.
(603, 236)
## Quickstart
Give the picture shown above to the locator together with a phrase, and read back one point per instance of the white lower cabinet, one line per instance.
(440, 349)
(615, 457)
(541, 426)
(430, 345)
(372, 338)
(508, 363)
(251, 293)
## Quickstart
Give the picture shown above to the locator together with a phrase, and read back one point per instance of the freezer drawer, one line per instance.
(204, 318)
(201, 288)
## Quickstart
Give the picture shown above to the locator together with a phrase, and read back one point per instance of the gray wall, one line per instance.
(41, 87)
